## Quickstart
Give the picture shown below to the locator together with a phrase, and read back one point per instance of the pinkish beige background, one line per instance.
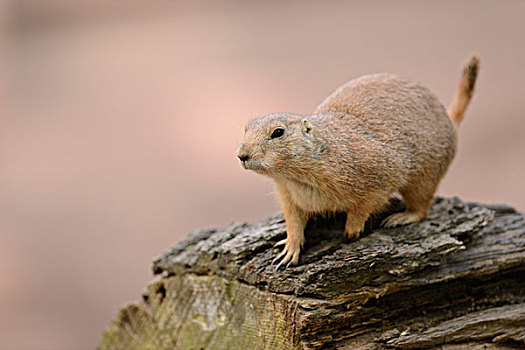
(120, 122)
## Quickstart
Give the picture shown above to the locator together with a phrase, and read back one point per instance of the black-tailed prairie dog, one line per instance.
(374, 136)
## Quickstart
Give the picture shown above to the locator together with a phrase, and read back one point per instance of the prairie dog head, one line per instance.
(276, 144)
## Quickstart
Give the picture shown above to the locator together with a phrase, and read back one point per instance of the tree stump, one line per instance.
(453, 281)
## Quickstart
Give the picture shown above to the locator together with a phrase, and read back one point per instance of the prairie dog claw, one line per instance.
(401, 219)
(280, 243)
(289, 255)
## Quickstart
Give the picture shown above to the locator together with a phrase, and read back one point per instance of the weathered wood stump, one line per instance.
(456, 280)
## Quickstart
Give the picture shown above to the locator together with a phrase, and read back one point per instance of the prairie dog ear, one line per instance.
(307, 127)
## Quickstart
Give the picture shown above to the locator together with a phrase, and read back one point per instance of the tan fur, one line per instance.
(376, 135)
(465, 90)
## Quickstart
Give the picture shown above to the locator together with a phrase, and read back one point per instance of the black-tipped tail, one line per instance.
(457, 108)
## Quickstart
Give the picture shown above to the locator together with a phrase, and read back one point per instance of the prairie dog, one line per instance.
(375, 135)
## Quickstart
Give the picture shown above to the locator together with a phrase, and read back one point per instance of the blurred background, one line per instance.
(120, 120)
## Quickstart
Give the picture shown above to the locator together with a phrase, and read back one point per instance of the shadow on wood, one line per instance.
(452, 281)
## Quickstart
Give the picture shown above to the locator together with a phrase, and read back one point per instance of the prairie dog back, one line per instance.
(403, 119)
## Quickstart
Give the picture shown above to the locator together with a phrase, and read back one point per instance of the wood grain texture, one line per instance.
(451, 281)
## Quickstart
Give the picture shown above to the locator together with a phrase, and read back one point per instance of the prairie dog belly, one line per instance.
(312, 199)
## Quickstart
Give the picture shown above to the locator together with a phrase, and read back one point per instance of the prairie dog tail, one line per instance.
(465, 90)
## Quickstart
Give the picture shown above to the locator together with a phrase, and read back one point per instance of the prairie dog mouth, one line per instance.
(253, 166)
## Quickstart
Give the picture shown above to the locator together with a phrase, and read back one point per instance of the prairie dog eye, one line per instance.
(278, 132)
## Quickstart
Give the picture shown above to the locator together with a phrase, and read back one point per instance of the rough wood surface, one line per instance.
(455, 280)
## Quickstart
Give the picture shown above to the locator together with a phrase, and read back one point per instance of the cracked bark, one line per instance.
(452, 281)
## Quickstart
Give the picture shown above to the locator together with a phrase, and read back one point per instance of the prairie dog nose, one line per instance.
(243, 157)
(242, 153)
